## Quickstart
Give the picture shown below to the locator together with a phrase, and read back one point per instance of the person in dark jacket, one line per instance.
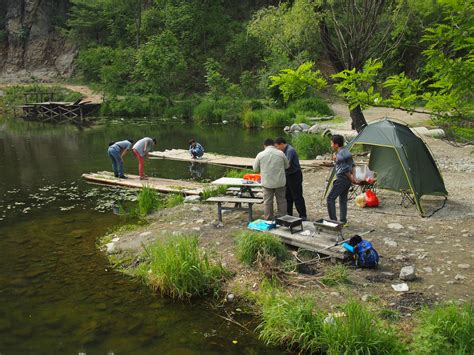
(344, 178)
(294, 179)
(116, 152)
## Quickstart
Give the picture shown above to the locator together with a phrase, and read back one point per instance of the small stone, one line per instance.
(116, 239)
(230, 297)
(365, 298)
(390, 242)
(199, 221)
(401, 287)
(450, 282)
(144, 234)
(459, 277)
(428, 269)
(464, 266)
(196, 209)
(192, 199)
(110, 248)
(396, 226)
(219, 225)
(407, 273)
(335, 294)
(197, 229)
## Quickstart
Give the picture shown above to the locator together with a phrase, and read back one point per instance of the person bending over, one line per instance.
(117, 151)
(141, 149)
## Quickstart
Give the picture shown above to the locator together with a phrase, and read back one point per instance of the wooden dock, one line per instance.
(55, 111)
(133, 181)
(315, 241)
(224, 160)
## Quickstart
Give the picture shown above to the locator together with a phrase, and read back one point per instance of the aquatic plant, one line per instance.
(255, 246)
(309, 146)
(447, 329)
(148, 201)
(180, 269)
(335, 275)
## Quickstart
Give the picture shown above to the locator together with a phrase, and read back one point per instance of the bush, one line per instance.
(215, 111)
(309, 146)
(212, 191)
(296, 322)
(446, 329)
(173, 200)
(267, 118)
(134, 106)
(252, 246)
(311, 106)
(238, 173)
(148, 201)
(180, 269)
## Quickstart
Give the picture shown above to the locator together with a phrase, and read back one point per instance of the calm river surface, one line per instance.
(58, 293)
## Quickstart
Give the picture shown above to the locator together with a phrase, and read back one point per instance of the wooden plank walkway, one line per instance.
(133, 181)
(314, 242)
(225, 160)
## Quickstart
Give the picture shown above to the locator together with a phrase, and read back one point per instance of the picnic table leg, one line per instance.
(250, 212)
(219, 211)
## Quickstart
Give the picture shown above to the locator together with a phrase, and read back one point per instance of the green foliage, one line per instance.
(311, 106)
(358, 331)
(180, 269)
(238, 173)
(172, 200)
(296, 323)
(267, 118)
(134, 106)
(335, 275)
(215, 111)
(148, 201)
(446, 329)
(298, 83)
(309, 146)
(212, 191)
(257, 246)
(14, 95)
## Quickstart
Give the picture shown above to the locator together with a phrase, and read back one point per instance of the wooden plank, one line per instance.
(224, 160)
(315, 242)
(234, 199)
(133, 181)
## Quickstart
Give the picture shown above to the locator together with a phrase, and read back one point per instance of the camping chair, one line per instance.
(407, 199)
(360, 188)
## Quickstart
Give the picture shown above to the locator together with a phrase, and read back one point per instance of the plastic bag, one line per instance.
(371, 199)
(360, 200)
(363, 173)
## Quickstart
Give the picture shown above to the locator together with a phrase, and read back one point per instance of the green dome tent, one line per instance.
(401, 160)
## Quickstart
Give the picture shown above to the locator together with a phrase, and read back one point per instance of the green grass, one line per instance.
(212, 191)
(267, 118)
(172, 200)
(215, 111)
(180, 269)
(309, 146)
(14, 95)
(335, 275)
(256, 246)
(238, 173)
(311, 106)
(297, 323)
(147, 200)
(447, 329)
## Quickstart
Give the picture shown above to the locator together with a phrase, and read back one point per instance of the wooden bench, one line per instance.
(237, 201)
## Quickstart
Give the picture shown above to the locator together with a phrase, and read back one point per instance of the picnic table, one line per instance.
(246, 196)
(245, 186)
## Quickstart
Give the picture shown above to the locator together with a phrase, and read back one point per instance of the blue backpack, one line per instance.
(365, 255)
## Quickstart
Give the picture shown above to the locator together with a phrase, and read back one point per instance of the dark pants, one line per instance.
(340, 189)
(294, 194)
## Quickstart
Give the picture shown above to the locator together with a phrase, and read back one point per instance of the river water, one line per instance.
(58, 293)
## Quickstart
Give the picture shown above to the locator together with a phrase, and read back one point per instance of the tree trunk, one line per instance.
(358, 119)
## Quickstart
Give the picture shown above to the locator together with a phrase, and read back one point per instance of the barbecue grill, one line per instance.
(329, 225)
(290, 222)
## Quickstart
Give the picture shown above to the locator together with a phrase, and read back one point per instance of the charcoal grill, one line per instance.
(329, 225)
(290, 222)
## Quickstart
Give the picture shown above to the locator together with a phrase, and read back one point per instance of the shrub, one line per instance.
(335, 275)
(180, 269)
(238, 173)
(251, 246)
(134, 106)
(309, 145)
(148, 201)
(446, 329)
(358, 331)
(267, 118)
(311, 106)
(215, 111)
(173, 200)
(212, 191)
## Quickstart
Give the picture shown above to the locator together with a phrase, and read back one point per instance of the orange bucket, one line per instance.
(252, 177)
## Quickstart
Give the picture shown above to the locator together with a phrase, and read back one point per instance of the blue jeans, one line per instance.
(117, 161)
(340, 188)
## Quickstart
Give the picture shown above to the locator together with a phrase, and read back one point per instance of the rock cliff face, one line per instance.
(31, 46)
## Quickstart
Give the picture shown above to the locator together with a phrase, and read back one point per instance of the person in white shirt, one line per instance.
(271, 164)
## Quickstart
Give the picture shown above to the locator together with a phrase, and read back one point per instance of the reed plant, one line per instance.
(255, 246)
(173, 200)
(267, 118)
(309, 146)
(212, 191)
(180, 269)
(447, 329)
(148, 201)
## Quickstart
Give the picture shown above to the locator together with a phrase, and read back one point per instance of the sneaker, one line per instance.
(143, 177)
(123, 177)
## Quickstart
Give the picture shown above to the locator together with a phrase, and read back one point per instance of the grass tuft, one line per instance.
(147, 200)
(180, 269)
(309, 146)
(335, 275)
(257, 246)
(173, 200)
(446, 329)
(212, 191)
(238, 173)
